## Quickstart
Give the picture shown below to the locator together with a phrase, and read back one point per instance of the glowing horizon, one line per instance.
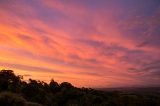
(90, 43)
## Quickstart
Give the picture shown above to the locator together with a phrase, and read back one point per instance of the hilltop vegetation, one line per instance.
(16, 92)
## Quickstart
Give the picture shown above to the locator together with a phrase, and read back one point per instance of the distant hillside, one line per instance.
(132, 89)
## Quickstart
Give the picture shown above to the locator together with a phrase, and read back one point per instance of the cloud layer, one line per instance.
(114, 43)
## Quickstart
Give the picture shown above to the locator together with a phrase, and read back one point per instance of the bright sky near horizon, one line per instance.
(90, 43)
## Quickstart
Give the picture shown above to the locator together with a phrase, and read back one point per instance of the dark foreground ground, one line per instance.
(16, 92)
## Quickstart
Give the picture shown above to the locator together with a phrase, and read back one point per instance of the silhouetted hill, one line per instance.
(16, 92)
(132, 89)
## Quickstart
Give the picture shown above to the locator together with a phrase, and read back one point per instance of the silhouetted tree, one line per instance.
(34, 91)
(54, 86)
(9, 81)
(66, 85)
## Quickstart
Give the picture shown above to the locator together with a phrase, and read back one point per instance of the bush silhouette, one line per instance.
(9, 99)
(32, 104)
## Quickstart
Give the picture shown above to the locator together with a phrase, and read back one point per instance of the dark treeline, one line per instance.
(16, 92)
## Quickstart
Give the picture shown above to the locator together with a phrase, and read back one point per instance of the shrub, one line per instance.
(32, 104)
(10, 99)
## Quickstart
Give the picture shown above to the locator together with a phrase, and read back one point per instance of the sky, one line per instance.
(89, 43)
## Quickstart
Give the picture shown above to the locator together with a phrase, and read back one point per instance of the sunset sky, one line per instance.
(90, 43)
